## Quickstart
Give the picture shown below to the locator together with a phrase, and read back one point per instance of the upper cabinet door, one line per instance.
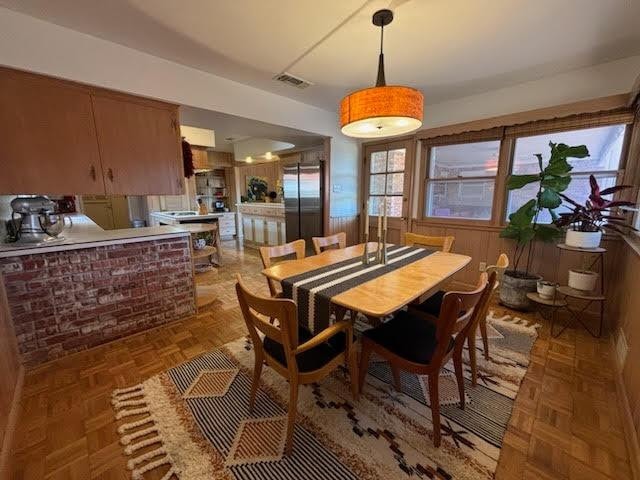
(139, 146)
(48, 141)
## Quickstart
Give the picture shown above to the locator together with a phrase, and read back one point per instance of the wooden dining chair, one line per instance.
(291, 350)
(337, 240)
(271, 255)
(433, 304)
(415, 344)
(442, 243)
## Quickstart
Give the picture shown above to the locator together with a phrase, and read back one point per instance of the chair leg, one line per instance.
(396, 378)
(434, 398)
(473, 362)
(364, 363)
(291, 415)
(485, 337)
(257, 371)
(352, 365)
(457, 363)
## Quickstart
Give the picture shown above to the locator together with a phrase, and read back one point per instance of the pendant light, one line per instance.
(381, 111)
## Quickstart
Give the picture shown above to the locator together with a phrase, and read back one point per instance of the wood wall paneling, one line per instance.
(272, 171)
(624, 308)
(349, 225)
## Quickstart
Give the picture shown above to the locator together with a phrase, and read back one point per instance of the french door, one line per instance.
(387, 173)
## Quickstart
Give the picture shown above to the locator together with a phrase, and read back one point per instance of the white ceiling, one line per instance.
(447, 48)
(238, 128)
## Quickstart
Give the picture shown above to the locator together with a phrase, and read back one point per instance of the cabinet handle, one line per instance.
(178, 182)
(110, 174)
(92, 173)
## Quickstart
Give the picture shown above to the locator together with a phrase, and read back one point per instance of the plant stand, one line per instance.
(547, 308)
(564, 293)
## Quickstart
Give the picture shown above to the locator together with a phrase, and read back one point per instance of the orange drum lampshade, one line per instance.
(382, 111)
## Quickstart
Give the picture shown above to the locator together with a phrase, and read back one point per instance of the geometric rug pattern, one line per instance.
(200, 410)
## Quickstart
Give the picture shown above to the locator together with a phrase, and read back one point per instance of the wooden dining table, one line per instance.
(386, 293)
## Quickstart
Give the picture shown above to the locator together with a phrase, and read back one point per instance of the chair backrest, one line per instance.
(501, 265)
(258, 311)
(443, 243)
(338, 240)
(458, 313)
(269, 254)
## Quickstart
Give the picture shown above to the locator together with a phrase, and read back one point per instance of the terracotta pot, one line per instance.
(583, 280)
(514, 288)
(583, 239)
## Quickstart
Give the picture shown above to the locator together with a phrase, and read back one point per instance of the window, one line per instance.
(386, 178)
(460, 180)
(605, 150)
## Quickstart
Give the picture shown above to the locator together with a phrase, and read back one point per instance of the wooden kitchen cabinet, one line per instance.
(60, 137)
(48, 142)
(200, 159)
(139, 146)
(220, 159)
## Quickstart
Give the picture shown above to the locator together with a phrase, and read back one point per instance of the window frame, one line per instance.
(460, 139)
(619, 173)
(386, 173)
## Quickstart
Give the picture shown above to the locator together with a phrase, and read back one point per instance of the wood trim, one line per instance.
(586, 106)
(326, 191)
(630, 434)
(10, 430)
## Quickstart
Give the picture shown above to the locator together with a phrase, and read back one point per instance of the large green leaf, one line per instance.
(518, 181)
(558, 168)
(547, 233)
(558, 184)
(554, 215)
(578, 151)
(522, 235)
(549, 199)
(539, 157)
(524, 215)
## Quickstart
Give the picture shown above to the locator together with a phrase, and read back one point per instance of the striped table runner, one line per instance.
(312, 291)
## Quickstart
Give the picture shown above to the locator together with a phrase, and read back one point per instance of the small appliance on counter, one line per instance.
(218, 206)
(34, 221)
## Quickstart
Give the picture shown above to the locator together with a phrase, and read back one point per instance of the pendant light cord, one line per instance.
(381, 81)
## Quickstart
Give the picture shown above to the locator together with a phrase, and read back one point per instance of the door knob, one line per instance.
(92, 173)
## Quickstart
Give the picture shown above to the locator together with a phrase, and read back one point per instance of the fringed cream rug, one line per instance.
(193, 423)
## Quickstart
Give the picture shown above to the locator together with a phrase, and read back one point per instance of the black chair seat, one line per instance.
(312, 359)
(408, 336)
(433, 304)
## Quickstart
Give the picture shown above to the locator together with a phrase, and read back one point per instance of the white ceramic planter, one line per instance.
(583, 280)
(583, 239)
(546, 290)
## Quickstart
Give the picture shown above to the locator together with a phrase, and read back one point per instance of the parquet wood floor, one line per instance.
(565, 424)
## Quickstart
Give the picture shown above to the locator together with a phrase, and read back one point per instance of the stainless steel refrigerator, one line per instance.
(302, 183)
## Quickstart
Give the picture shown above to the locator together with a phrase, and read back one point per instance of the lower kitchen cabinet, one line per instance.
(262, 224)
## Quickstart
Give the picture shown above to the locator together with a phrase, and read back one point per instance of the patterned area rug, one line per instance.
(193, 423)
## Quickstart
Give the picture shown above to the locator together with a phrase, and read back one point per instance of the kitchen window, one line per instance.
(386, 178)
(605, 145)
(461, 180)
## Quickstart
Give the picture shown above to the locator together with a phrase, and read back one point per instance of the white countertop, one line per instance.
(84, 233)
(261, 204)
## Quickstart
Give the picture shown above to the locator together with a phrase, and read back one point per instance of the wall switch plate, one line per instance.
(483, 266)
(622, 348)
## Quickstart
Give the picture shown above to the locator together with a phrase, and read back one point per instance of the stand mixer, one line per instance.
(35, 221)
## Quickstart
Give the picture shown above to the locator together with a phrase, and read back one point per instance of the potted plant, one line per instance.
(524, 227)
(585, 223)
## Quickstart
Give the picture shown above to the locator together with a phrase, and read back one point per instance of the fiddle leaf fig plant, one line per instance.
(552, 180)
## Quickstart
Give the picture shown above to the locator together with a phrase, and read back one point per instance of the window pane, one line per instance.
(394, 206)
(378, 162)
(376, 184)
(604, 144)
(395, 183)
(578, 190)
(478, 159)
(460, 199)
(396, 160)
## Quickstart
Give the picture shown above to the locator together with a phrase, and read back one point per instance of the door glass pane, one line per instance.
(604, 144)
(376, 184)
(395, 183)
(378, 162)
(460, 199)
(478, 159)
(578, 190)
(394, 206)
(396, 160)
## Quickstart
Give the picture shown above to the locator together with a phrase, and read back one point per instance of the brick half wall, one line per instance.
(63, 302)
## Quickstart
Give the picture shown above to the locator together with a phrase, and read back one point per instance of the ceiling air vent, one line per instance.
(291, 80)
